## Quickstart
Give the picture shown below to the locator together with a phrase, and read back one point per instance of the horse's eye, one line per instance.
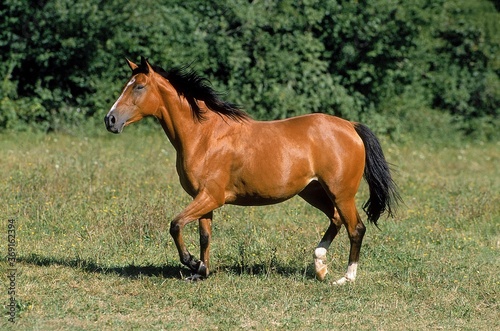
(139, 87)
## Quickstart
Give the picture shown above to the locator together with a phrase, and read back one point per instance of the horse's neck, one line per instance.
(184, 131)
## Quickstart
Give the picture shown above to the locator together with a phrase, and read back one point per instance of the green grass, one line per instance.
(94, 253)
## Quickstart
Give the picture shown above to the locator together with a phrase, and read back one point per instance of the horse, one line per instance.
(226, 157)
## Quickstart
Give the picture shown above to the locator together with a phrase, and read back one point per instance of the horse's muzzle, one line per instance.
(111, 123)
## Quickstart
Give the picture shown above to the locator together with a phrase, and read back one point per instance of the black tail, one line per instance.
(383, 190)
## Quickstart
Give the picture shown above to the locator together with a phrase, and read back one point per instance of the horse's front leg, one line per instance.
(205, 238)
(200, 208)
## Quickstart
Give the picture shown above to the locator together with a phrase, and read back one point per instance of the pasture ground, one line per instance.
(92, 214)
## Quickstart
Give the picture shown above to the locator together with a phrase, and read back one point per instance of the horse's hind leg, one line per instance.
(315, 195)
(355, 230)
(320, 266)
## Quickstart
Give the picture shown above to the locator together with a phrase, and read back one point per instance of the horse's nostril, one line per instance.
(112, 119)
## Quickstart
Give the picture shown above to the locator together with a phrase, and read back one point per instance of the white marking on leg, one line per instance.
(350, 275)
(351, 271)
(320, 253)
(320, 263)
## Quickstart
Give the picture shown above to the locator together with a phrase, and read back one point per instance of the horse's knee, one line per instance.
(360, 229)
(356, 235)
(175, 228)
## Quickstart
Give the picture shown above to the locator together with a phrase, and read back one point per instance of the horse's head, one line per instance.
(139, 98)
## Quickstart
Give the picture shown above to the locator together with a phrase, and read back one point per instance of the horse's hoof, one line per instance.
(320, 263)
(202, 269)
(343, 281)
(321, 270)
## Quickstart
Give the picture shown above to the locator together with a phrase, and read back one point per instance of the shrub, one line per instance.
(63, 60)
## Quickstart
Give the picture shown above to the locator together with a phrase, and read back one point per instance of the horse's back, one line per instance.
(276, 159)
(316, 134)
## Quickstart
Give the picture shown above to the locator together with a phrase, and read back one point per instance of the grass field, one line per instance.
(92, 215)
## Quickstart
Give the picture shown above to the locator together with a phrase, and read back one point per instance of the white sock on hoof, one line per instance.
(350, 275)
(320, 263)
(341, 281)
(320, 253)
(351, 271)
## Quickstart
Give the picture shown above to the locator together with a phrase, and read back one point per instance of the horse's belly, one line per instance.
(250, 200)
(266, 192)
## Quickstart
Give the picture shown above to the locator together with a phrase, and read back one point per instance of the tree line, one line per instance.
(385, 62)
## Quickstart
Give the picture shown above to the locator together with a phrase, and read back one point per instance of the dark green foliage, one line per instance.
(374, 61)
(463, 82)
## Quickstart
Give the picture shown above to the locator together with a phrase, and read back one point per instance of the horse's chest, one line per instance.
(189, 176)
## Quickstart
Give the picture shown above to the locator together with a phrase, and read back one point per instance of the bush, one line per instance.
(63, 60)
(462, 81)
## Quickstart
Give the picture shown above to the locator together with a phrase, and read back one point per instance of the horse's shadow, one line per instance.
(166, 271)
(128, 271)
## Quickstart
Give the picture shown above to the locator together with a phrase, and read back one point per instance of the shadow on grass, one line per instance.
(175, 272)
(130, 271)
(262, 269)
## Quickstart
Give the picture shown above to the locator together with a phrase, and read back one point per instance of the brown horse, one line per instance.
(226, 157)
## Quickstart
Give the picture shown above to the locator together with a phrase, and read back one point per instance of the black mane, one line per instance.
(194, 88)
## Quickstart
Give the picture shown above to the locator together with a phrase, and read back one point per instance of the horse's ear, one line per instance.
(145, 64)
(131, 64)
